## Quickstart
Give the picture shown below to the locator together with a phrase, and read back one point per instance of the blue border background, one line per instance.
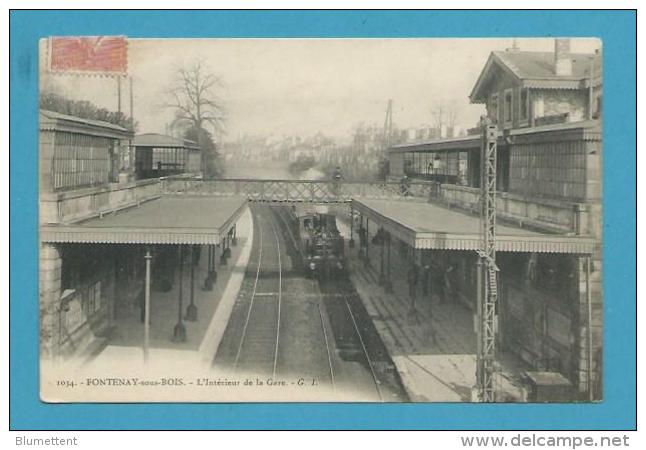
(617, 29)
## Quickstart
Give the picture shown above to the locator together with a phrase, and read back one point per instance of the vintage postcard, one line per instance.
(320, 220)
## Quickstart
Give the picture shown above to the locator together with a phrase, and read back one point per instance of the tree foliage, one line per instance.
(85, 110)
(213, 164)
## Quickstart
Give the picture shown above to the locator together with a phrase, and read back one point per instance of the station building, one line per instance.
(547, 107)
(101, 211)
(158, 155)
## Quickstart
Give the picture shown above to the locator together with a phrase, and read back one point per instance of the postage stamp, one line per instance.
(89, 54)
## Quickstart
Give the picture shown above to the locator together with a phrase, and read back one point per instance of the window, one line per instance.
(493, 107)
(508, 105)
(524, 104)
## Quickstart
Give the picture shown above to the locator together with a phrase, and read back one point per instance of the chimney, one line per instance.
(562, 60)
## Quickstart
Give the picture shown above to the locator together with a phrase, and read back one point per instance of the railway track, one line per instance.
(297, 247)
(289, 326)
(344, 297)
(369, 361)
(260, 333)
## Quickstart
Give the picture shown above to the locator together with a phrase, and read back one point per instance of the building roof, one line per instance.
(55, 121)
(172, 219)
(425, 226)
(458, 143)
(536, 70)
(580, 130)
(162, 140)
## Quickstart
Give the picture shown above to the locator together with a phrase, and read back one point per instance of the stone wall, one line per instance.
(545, 215)
(61, 207)
(49, 292)
(590, 331)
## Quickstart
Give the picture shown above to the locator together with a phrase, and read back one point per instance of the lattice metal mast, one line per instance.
(488, 286)
(388, 126)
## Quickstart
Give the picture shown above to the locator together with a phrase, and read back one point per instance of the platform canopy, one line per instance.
(166, 220)
(425, 226)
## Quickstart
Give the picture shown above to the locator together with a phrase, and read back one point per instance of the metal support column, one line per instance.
(478, 329)
(588, 295)
(488, 297)
(367, 255)
(223, 252)
(179, 332)
(148, 258)
(208, 281)
(351, 241)
(191, 310)
(389, 283)
(213, 274)
(382, 242)
(234, 239)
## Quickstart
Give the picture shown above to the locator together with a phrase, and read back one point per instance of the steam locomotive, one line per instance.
(321, 243)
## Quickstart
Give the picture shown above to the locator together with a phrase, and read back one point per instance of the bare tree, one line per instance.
(193, 96)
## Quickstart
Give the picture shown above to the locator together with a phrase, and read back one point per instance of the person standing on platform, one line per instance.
(426, 281)
(412, 284)
(448, 288)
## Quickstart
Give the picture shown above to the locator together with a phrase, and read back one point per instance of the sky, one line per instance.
(282, 87)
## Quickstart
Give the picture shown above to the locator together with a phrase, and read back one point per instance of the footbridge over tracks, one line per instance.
(304, 191)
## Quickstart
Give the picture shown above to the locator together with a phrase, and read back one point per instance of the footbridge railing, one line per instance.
(312, 191)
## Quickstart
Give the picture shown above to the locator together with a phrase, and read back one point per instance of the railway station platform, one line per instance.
(432, 346)
(127, 332)
(122, 350)
(429, 330)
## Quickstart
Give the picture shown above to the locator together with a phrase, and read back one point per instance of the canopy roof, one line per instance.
(162, 140)
(180, 219)
(55, 121)
(425, 226)
(458, 143)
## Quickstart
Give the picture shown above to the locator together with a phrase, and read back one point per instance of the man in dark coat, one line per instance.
(412, 284)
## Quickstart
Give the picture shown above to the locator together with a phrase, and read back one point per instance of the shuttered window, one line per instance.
(80, 160)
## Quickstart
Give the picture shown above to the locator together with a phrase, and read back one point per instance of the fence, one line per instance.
(314, 191)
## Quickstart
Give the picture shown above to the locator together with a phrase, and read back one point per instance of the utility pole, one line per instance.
(487, 320)
(387, 139)
(119, 94)
(132, 112)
